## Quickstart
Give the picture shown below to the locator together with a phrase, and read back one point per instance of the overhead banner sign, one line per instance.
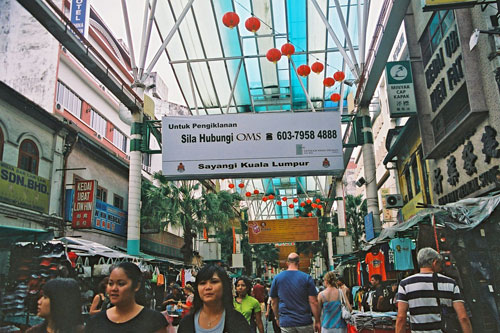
(283, 230)
(447, 4)
(400, 91)
(24, 189)
(84, 204)
(252, 145)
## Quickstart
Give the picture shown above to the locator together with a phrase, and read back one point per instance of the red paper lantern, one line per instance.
(241, 185)
(302, 204)
(317, 67)
(264, 199)
(335, 97)
(278, 203)
(288, 49)
(248, 194)
(309, 214)
(230, 19)
(328, 81)
(318, 200)
(339, 76)
(314, 205)
(320, 206)
(290, 205)
(273, 55)
(271, 197)
(295, 200)
(284, 199)
(255, 192)
(308, 201)
(303, 70)
(231, 185)
(252, 24)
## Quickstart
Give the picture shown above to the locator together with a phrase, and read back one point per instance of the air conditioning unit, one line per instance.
(394, 201)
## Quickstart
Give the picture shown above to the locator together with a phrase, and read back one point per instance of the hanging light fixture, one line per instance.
(328, 82)
(335, 97)
(303, 70)
(273, 55)
(339, 76)
(252, 24)
(288, 49)
(230, 19)
(317, 67)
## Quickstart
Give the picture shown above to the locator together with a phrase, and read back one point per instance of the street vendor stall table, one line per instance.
(372, 322)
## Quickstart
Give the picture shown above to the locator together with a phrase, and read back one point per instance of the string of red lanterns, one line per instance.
(252, 24)
(230, 19)
(317, 67)
(273, 55)
(303, 70)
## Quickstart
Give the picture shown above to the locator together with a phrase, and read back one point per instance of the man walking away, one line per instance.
(417, 293)
(259, 292)
(294, 298)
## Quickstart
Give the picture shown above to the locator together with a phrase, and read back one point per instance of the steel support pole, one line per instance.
(134, 182)
(129, 39)
(302, 85)
(339, 193)
(370, 170)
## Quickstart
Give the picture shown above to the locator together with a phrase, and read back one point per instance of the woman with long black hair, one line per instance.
(248, 306)
(213, 309)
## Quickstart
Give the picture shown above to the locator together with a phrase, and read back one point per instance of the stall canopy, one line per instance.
(84, 247)
(464, 215)
(10, 234)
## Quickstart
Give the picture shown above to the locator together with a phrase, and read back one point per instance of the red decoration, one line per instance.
(278, 203)
(248, 194)
(328, 82)
(308, 201)
(318, 200)
(320, 206)
(231, 185)
(302, 204)
(256, 192)
(314, 205)
(230, 19)
(271, 197)
(273, 55)
(290, 205)
(335, 97)
(264, 199)
(339, 76)
(317, 67)
(284, 199)
(309, 214)
(241, 185)
(252, 24)
(303, 70)
(295, 200)
(288, 49)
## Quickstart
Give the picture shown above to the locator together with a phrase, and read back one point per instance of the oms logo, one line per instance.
(248, 136)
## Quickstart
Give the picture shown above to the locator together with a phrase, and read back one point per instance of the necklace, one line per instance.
(213, 320)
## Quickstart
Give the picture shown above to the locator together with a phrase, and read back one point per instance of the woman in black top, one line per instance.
(213, 305)
(126, 292)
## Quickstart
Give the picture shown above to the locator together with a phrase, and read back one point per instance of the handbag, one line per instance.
(154, 277)
(83, 268)
(346, 314)
(449, 318)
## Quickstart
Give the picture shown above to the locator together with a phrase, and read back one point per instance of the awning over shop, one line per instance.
(11, 234)
(84, 247)
(465, 214)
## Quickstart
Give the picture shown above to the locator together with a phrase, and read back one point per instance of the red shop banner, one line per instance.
(84, 204)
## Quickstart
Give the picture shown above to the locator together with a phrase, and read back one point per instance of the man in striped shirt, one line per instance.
(417, 293)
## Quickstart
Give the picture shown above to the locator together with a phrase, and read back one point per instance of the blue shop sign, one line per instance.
(110, 218)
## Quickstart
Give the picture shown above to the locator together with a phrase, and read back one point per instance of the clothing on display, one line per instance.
(402, 248)
(389, 257)
(376, 264)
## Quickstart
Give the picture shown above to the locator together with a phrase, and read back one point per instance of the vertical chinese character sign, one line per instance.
(84, 204)
(400, 90)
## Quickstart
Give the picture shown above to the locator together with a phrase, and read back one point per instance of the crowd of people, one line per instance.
(293, 303)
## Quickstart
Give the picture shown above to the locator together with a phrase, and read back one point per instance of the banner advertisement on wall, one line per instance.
(110, 218)
(24, 189)
(84, 204)
(252, 145)
(303, 229)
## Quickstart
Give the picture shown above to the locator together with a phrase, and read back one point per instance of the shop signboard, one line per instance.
(84, 204)
(283, 230)
(24, 189)
(431, 5)
(400, 90)
(80, 15)
(110, 218)
(369, 230)
(252, 145)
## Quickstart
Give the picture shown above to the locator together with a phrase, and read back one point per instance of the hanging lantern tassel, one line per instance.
(252, 24)
(339, 76)
(303, 70)
(273, 55)
(317, 67)
(335, 97)
(230, 19)
(288, 49)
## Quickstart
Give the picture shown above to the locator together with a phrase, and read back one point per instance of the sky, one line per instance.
(111, 12)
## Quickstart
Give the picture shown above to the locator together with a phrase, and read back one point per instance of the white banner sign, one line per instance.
(252, 145)
(400, 92)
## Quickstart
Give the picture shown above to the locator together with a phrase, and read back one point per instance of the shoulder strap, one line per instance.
(435, 284)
